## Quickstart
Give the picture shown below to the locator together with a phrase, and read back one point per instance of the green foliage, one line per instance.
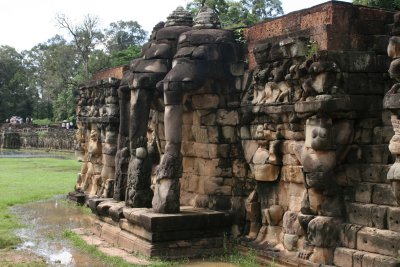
(42, 122)
(16, 97)
(123, 34)
(27, 180)
(235, 14)
(389, 4)
(313, 49)
(123, 57)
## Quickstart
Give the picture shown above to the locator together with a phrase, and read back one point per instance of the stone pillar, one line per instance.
(391, 101)
(122, 155)
(202, 62)
(145, 74)
(110, 119)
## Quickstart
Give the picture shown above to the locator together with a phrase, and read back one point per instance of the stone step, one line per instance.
(376, 216)
(367, 239)
(346, 257)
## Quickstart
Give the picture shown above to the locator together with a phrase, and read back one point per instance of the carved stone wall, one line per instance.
(97, 135)
(295, 146)
(36, 137)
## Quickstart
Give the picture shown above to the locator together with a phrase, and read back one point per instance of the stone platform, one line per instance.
(79, 198)
(191, 233)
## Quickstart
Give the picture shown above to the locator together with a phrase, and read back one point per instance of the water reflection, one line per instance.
(45, 221)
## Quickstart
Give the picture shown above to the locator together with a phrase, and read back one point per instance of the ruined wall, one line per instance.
(295, 147)
(36, 137)
(318, 138)
(96, 146)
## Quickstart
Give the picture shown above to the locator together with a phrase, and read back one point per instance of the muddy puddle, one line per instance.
(42, 234)
(44, 224)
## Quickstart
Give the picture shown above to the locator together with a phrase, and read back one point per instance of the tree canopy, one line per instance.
(389, 4)
(42, 82)
(241, 13)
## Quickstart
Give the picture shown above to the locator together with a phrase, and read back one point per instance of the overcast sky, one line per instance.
(25, 23)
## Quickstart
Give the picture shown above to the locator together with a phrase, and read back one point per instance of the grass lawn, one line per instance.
(24, 180)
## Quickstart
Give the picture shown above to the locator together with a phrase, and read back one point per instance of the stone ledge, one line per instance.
(345, 257)
(188, 219)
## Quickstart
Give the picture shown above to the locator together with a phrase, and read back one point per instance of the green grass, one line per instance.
(24, 180)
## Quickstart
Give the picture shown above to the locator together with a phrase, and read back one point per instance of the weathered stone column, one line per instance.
(146, 73)
(391, 101)
(122, 155)
(202, 61)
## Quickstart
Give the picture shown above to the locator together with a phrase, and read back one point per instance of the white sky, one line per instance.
(25, 23)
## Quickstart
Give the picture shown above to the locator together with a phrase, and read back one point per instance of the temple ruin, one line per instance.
(285, 143)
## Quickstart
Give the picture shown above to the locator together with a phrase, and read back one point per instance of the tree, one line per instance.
(85, 37)
(389, 4)
(123, 57)
(53, 68)
(123, 34)
(235, 14)
(16, 98)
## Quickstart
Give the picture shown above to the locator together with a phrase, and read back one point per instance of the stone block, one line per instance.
(110, 233)
(393, 217)
(292, 174)
(239, 169)
(290, 159)
(206, 117)
(237, 69)
(187, 118)
(188, 219)
(260, 156)
(291, 224)
(152, 66)
(357, 258)
(210, 186)
(205, 101)
(229, 134)
(363, 192)
(322, 255)
(376, 260)
(375, 154)
(266, 172)
(127, 241)
(324, 232)
(384, 242)
(367, 214)
(96, 227)
(188, 164)
(294, 193)
(343, 257)
(227, 118)
(213, 135)
(288, 147)
(109, 149)
(108, 160)
(200, 134)
(348, 235)
(249, 148)
(218, 151)
(187, 133)
(290, 241)
(383, 195)
(273, 235)
(374, 173)
(382, 135)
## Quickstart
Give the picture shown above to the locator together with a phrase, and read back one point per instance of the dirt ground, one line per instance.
(12, 257)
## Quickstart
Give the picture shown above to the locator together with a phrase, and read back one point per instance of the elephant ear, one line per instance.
(344, 135)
